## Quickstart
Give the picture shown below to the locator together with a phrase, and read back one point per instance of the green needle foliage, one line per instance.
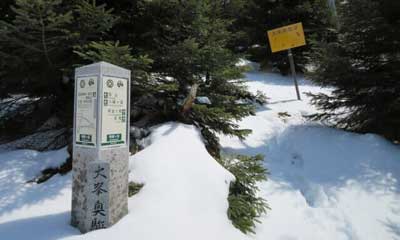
(33, 45)
(115, 53)
(188, 43)
(245, 206)
(134, 188)
(363, 66)
(37, 39)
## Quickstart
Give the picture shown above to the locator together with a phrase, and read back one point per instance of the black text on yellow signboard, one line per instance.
(286, 37)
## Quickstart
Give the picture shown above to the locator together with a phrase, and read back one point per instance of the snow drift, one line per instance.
(184, 195)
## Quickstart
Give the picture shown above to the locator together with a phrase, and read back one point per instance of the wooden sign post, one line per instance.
(100, 162)
(286, 38)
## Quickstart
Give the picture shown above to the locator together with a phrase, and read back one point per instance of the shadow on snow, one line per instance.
(16, 168)
(316, 159)
(48, 227)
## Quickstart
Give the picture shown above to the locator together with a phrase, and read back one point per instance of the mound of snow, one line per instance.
(184, 195)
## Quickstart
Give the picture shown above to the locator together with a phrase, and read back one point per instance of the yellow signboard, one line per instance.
(286, 37)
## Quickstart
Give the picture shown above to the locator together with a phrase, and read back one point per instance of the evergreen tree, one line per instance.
(185, 45)
(194, 68)
(34, 43)
(5, 10)
(92, 21)
(37, 56)
(363, 66)
(259, 16)
(121, 55)
(38, 42)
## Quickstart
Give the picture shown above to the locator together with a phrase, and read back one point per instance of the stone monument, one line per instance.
(100, 163)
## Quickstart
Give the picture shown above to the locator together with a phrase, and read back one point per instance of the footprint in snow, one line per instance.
(297, 160)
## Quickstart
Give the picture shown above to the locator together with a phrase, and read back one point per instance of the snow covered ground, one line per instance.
(324, 183)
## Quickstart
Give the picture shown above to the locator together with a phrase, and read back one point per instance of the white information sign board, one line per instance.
(86, 108)
(100, 146)
(114, 111)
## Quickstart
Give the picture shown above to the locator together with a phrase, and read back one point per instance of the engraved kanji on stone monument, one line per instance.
(98, 173)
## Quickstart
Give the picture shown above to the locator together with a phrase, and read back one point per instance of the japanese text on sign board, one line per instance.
(286, 37)
(114, 111)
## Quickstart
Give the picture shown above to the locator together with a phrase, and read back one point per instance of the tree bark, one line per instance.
(188, 103)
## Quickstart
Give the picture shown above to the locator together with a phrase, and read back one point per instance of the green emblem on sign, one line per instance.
(113, 139)
(110, 83)
(91, 82)
(85, 139)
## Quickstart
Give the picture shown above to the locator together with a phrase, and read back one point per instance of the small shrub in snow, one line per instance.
(134, 188)
(245, 207)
